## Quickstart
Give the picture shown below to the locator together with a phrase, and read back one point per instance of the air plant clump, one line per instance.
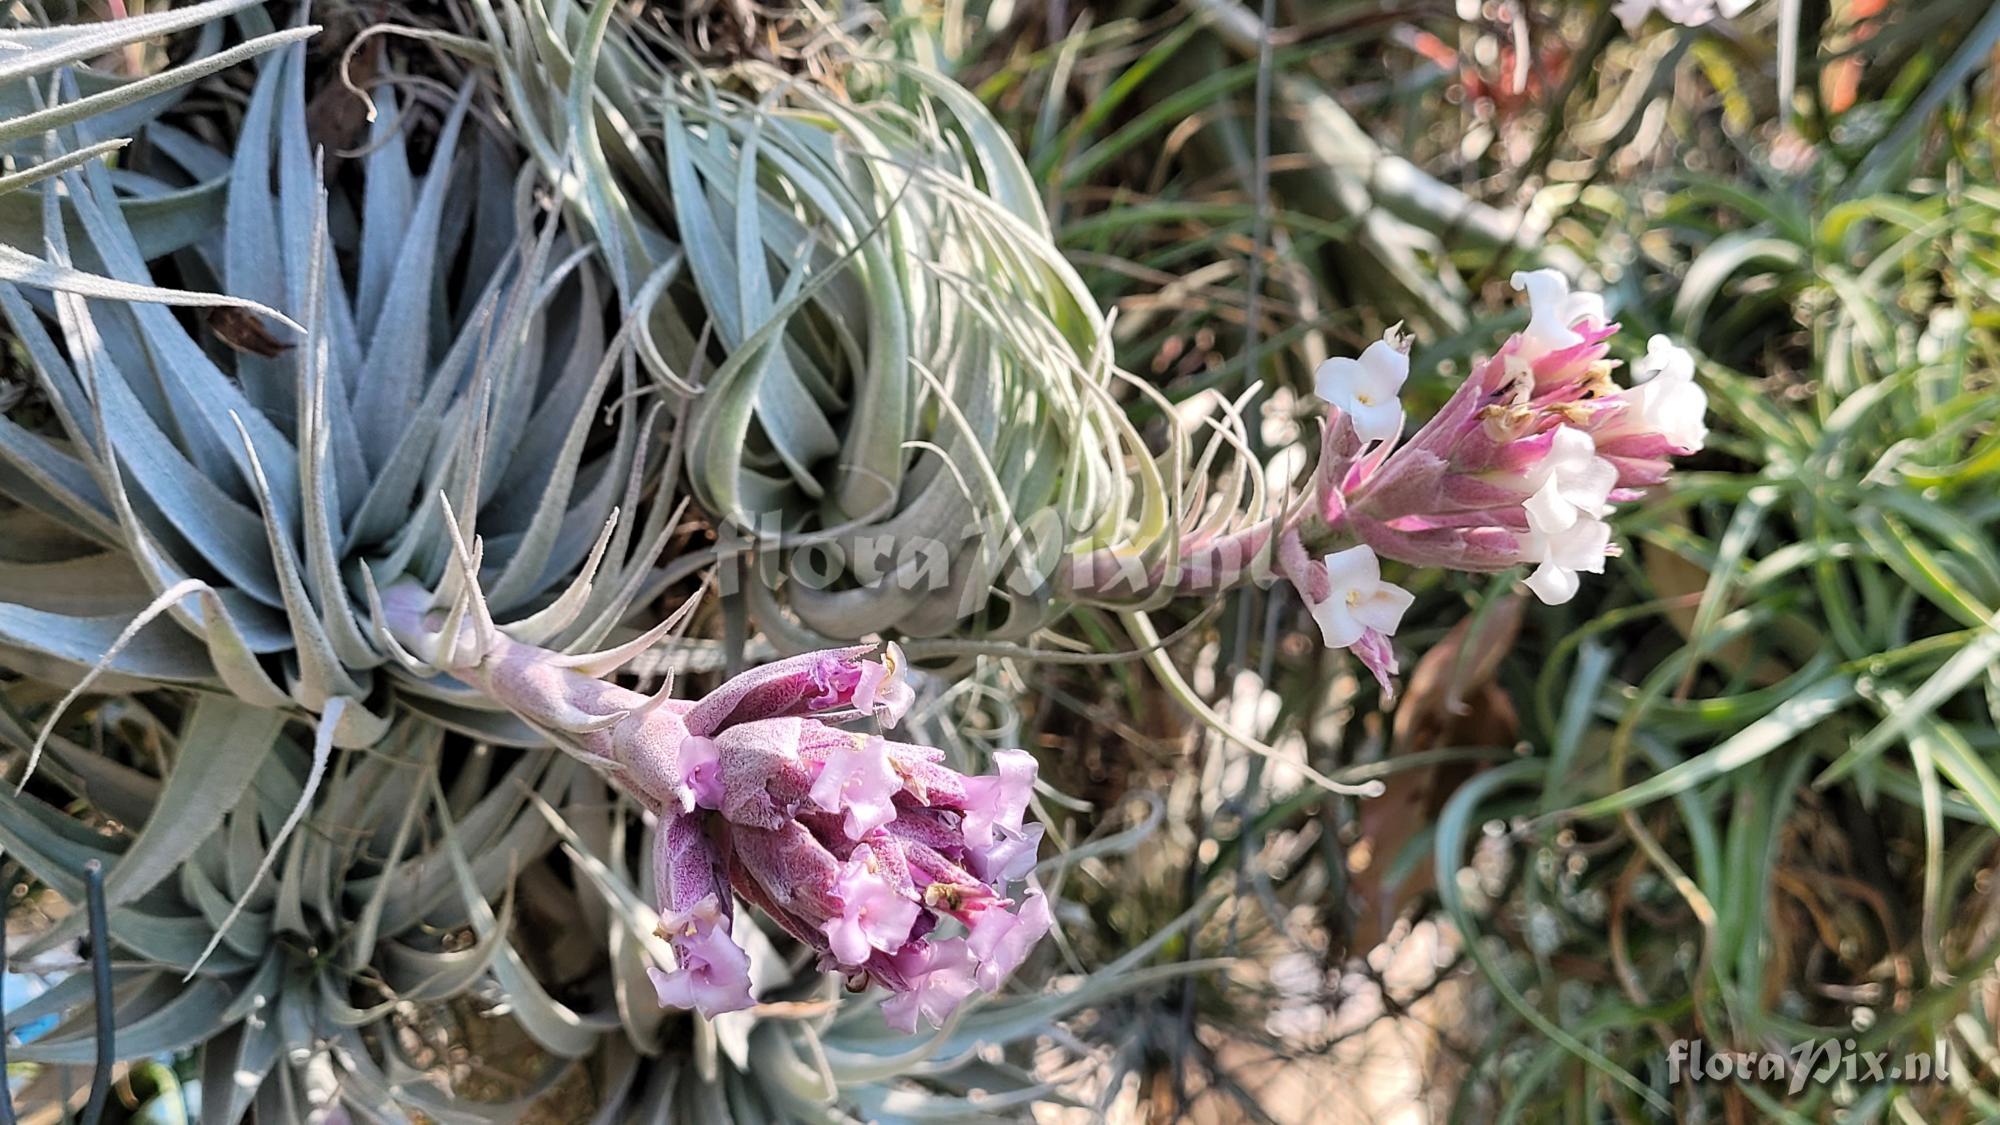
(194, 502)
(230, 499)
(861, 848)
(856, 288)
(1519, 468)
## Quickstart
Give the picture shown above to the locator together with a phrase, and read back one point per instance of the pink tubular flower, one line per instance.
(881, 690)
(999, 801)
(713, 974)
(863, 849)
(860, 848)
(1000, 941)
(859, 781)
(1010, 856)
(874, 914)
(941, 975)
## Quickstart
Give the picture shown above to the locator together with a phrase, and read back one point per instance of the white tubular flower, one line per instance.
(1553, 312)
(1571, 477)
(1358, 600)
(1664, 359)
(1367, 388)
(1677, 410)
(1573, 542)
(1548, 511)
(1687, 13)
(1665, 397)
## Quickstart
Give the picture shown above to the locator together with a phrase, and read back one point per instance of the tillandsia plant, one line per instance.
(251, 484)
(856, 846)
(308, 968)
(261, 489)
(900, 394)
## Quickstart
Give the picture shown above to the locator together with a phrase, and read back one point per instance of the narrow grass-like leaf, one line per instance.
(1454, 826)
(1803, 711)
(1975, 658)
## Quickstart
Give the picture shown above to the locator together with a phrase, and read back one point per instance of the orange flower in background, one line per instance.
(1505, 87)
(1841, 81)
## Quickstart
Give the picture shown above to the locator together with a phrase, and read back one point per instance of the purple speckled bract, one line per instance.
(866, 850)
(862, 848)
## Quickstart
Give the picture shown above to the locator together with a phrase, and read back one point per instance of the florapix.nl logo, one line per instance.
(1813, 1062)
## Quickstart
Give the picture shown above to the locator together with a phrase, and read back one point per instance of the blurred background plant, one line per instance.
(1742, 792)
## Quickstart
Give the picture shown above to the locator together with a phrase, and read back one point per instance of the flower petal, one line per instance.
(1337, 623)
(1383, 609)
(1336, 380)
(860, 781)
(1548, 512)
(1553, 584)
(1355, 566)
(1550, 313)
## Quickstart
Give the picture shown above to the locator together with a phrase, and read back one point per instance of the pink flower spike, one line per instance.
(861, 782)
(881, 688)
(873, 915)
(943, 978)
(712, 973)
(999, 799)
(1001, 941)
